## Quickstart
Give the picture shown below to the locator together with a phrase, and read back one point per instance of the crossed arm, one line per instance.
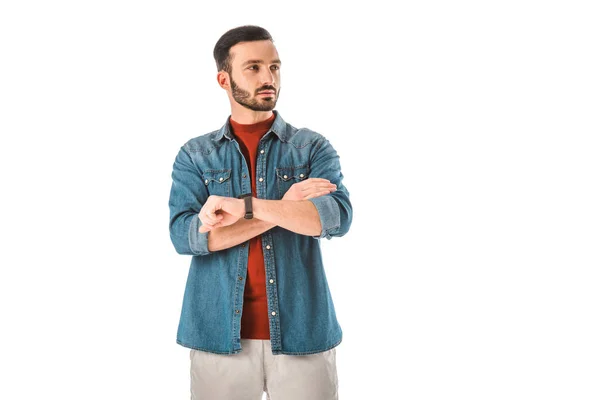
(329, 215)
(232, 235)
(297, 216)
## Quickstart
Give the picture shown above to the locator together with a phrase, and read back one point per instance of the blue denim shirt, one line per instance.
(302, 318)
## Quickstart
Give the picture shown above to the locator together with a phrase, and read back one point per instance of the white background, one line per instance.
(468, 137)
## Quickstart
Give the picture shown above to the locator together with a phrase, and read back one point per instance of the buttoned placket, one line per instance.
(269, 259)
(242, 268)
(267, 243)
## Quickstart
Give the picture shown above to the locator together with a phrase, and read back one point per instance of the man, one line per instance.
(250, 202)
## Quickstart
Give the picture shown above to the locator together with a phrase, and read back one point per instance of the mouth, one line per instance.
(269, 93)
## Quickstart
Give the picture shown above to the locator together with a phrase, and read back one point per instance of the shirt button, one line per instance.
(301, 175)
(206, 181)
(273, 313)
(240, 278)
(237, 311)
(221, 179)
(268, 247)
(244, 175)
(243, 244)
(285, 177)
(270, 280)
(260, 179)
(262, 152)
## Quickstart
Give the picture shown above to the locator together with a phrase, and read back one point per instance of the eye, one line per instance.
(276, 66)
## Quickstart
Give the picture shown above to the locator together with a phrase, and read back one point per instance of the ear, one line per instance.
(223, 79)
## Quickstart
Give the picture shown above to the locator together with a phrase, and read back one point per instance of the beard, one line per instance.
(245, 99)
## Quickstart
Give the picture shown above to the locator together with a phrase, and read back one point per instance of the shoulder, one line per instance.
(302, 137)
(204, 144)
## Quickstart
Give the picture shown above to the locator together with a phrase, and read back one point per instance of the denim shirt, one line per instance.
(302, 318)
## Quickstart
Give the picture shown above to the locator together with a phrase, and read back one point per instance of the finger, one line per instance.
(317, 180)
(213, 218)
(317, 194)
(210, 226)
(205, 218)
(217, 225)
(320, 187)
(205, 227)
(312, 180)
(326, 185)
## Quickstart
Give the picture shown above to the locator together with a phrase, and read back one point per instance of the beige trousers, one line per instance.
(246, 375)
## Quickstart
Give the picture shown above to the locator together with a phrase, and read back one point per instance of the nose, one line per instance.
(267, 78)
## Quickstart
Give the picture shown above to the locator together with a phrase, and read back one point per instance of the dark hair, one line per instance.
(246, 33)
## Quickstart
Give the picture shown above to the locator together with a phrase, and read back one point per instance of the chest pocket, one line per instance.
(218, 182)
(287, 176)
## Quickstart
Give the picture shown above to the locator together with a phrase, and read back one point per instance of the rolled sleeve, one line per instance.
(198, 240)
(329, 214)
(335, 208)
(188, 195)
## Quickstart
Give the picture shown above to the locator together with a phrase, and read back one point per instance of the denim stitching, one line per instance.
(207, 350)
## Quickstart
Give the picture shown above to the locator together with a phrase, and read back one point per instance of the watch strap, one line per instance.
(248, 204)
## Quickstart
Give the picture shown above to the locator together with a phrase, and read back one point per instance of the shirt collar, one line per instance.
(278, 127)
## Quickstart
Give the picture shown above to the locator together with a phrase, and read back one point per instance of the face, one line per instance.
(255, 68)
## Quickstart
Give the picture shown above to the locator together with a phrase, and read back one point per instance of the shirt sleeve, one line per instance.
(188, 195)
(335, 209)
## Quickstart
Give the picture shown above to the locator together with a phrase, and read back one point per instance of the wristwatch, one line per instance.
(248, 203)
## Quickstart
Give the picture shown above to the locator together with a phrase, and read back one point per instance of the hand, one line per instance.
(219, 211)
(309, 188)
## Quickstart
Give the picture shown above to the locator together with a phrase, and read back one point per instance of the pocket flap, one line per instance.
(218, 176)
(297, 173)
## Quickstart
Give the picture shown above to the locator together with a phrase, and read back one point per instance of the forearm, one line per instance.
(299, 216)
(234, 234)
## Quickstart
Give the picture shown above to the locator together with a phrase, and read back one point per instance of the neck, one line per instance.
(243, 115)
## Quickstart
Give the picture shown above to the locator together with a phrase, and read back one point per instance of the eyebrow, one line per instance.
(276, 61)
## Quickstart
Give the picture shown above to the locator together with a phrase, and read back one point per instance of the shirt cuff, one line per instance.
(198, 240)
(329, 214)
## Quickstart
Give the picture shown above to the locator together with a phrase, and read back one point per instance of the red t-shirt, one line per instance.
(255, 314)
